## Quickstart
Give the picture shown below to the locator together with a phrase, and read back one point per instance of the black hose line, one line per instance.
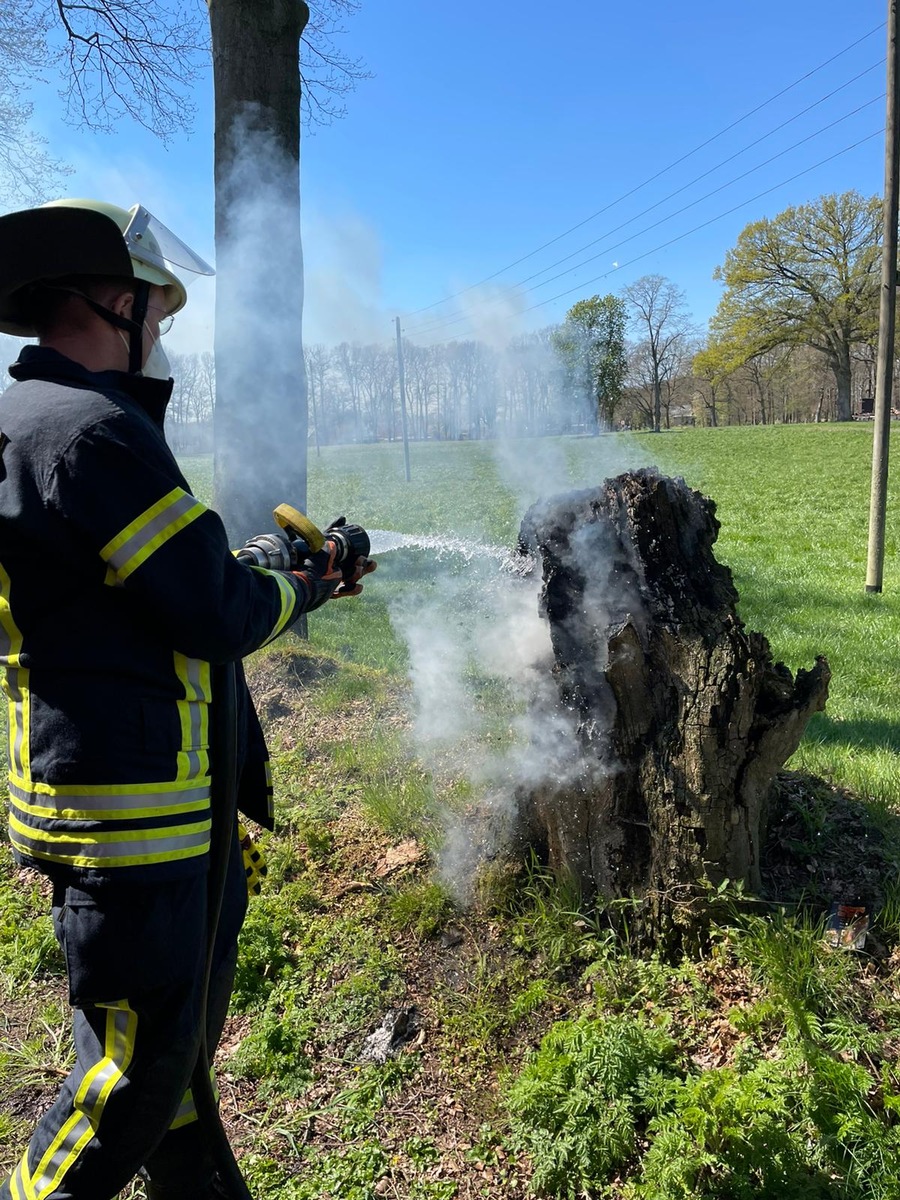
(223, 806)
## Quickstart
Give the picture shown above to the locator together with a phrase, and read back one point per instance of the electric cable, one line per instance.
(668, 217)
(436, 323)
(695, 229)
(651, 179)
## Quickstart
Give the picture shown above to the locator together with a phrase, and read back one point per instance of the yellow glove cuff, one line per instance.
(254, 861)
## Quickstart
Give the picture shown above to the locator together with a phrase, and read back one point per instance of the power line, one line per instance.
(436, 323)
(697, 228)
(677, 212)
(638, 187)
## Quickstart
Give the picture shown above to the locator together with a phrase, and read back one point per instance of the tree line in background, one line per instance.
(793, 339)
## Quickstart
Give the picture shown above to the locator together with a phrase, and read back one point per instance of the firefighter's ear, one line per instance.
(122, 303)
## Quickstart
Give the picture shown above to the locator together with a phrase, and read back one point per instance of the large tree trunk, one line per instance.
(843, 374)
(261, 422)
(683, 718)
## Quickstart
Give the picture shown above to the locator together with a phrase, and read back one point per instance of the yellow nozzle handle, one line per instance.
(293, 521)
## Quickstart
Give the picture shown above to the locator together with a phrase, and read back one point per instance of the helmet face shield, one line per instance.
(89, 237)
(155, 245)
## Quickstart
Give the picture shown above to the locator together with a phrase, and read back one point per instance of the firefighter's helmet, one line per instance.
(88, 237)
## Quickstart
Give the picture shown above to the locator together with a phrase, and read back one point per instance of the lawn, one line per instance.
(548, 1056)
(793, 505)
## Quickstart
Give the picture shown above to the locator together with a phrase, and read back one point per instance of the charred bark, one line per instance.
(682, 716)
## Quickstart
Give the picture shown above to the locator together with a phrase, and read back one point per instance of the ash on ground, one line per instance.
(398, 1028)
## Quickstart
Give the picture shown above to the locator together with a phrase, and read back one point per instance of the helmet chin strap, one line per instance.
(136, 336)
(133, 325)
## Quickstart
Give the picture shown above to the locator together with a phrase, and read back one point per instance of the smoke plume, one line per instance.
(485, 701)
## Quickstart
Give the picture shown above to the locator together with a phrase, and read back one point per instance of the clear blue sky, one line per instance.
(488, 131)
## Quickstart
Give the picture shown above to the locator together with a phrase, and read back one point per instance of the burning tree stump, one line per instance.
(682, 717)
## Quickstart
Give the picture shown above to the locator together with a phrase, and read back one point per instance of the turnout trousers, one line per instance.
(135, 958)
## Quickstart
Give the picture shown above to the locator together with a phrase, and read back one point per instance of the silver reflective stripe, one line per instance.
(16, 1183)
(62, 848)
(89, 1102)
(195, 767)
(121, 557)
(187, 1111)
(60, 802)
(17, 714)
(5, 642)
(10, 636)
(193, 673)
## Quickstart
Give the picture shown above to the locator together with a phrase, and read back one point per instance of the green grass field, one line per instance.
(793, 506)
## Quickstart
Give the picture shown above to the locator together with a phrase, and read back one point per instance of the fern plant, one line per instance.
(573, 1108)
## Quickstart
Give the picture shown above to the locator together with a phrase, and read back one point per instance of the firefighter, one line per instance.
(118, 591)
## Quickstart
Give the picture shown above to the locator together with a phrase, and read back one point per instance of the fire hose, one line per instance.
(305, 539)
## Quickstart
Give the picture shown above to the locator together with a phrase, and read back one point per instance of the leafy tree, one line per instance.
(591, 347)
(808, 277)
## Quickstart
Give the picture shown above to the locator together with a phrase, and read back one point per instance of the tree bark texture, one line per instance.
(843, 375)
(261, 420)
(683, 718)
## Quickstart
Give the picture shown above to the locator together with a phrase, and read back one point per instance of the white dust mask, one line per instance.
(157, 365)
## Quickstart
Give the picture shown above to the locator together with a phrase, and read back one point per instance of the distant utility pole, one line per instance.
(884, 370)
(402, 377)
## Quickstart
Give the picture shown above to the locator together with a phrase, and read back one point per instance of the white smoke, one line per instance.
(344, 280)
(485, 699)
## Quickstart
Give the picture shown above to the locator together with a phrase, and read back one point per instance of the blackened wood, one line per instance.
(683, 719)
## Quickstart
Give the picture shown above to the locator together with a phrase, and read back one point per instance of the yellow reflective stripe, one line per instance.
(193, 715)
(102, 849)
(289, 597)
(187, 1111)
(89, 1102)
(148, 853)
(15, 683)
(25, 1192)
(131, 860)
(10, 635)
(152, 529)
(107, 813)
(103, 789)
(17, 689)
(100, 838)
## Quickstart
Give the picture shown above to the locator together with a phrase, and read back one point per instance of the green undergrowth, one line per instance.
(620, 1100)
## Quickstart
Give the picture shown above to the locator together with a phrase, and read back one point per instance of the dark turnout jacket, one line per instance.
(117, 591)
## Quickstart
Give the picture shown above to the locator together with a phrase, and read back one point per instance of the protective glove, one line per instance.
(271, 550)
(320, 575)
(351, 586)
(254, 861)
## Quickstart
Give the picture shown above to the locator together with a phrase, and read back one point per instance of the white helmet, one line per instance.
(87, 237)
(153, 249)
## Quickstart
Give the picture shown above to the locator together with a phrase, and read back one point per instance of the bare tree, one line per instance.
(660, 317)
(140, 61)
(28, 174)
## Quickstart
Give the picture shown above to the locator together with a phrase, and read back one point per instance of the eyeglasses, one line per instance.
(166, 321)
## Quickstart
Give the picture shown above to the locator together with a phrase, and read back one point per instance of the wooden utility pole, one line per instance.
(884, 370)
(402, 378)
